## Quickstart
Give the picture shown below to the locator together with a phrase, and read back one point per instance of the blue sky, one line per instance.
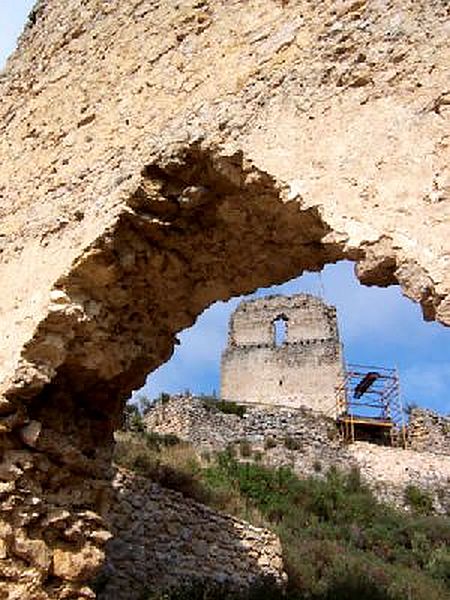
(378, 326)
(13, 15)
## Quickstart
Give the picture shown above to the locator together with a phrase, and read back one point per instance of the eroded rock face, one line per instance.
(159, 156)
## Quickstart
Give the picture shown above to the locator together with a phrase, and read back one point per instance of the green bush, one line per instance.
(419, 500)
(317, 466)
(164, 398)
(133, 420)
(225, 406)
(438, 565)
(160, 440)
(339, 543)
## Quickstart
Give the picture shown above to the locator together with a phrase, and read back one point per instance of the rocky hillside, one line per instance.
(309, 443)
(338, 542)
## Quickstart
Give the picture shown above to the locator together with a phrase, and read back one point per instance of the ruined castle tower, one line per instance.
(283, 351)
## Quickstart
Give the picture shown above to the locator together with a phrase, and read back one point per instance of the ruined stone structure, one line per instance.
(310, 443)
(162, 539)
(429, 431)
(160, 156)
(303, 369)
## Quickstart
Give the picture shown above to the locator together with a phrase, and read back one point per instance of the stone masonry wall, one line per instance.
(162, 538)
(307, 441)
(429, 431)
(389, 471)
(305, 369)
(209, 429)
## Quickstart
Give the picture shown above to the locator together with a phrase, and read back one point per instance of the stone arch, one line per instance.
(151, 192)
(200, 226)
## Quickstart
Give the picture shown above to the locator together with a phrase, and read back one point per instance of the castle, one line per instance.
(161, 156)
(299, 401)
(283, 351)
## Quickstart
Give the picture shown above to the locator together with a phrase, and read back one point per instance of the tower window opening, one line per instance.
(280, 330)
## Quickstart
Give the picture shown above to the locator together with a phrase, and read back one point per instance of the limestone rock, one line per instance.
(30, 433)
(159, 156)
(75, 565)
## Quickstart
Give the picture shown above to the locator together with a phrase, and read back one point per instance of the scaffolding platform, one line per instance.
(368, 406)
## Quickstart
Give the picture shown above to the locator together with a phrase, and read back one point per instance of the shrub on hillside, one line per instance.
(164, 398)
(292, 443)
(245, 448)
(163, 459)
(419, 500)
(225, 406)
(339, 542)
(133, 419)
(438, 565)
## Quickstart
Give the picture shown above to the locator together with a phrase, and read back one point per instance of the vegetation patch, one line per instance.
(163, 459)
(419, 500)
(270, 442)
(292, 443)
(225, 406)
(339, 542)
(245, 448)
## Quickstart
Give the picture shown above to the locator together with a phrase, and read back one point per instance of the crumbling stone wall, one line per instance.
(389, 471)
(429, 431)
(306, 369)
(162, 539)
(209, 429)
(310, 443)
(159, 156)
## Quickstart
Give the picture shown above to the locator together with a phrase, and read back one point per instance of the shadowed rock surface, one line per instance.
(163, 539)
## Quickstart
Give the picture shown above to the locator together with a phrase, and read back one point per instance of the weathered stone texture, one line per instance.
(159, 156)
(305, 370)
(210, 429)
(389, 471)
(429, 431)
(162, 538)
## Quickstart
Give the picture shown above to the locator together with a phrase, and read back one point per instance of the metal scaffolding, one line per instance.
(369, 406)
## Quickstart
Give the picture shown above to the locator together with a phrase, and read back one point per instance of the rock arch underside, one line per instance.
(158, 156)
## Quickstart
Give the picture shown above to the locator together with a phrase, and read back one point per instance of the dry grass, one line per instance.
(165, 460)
(175, 465)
